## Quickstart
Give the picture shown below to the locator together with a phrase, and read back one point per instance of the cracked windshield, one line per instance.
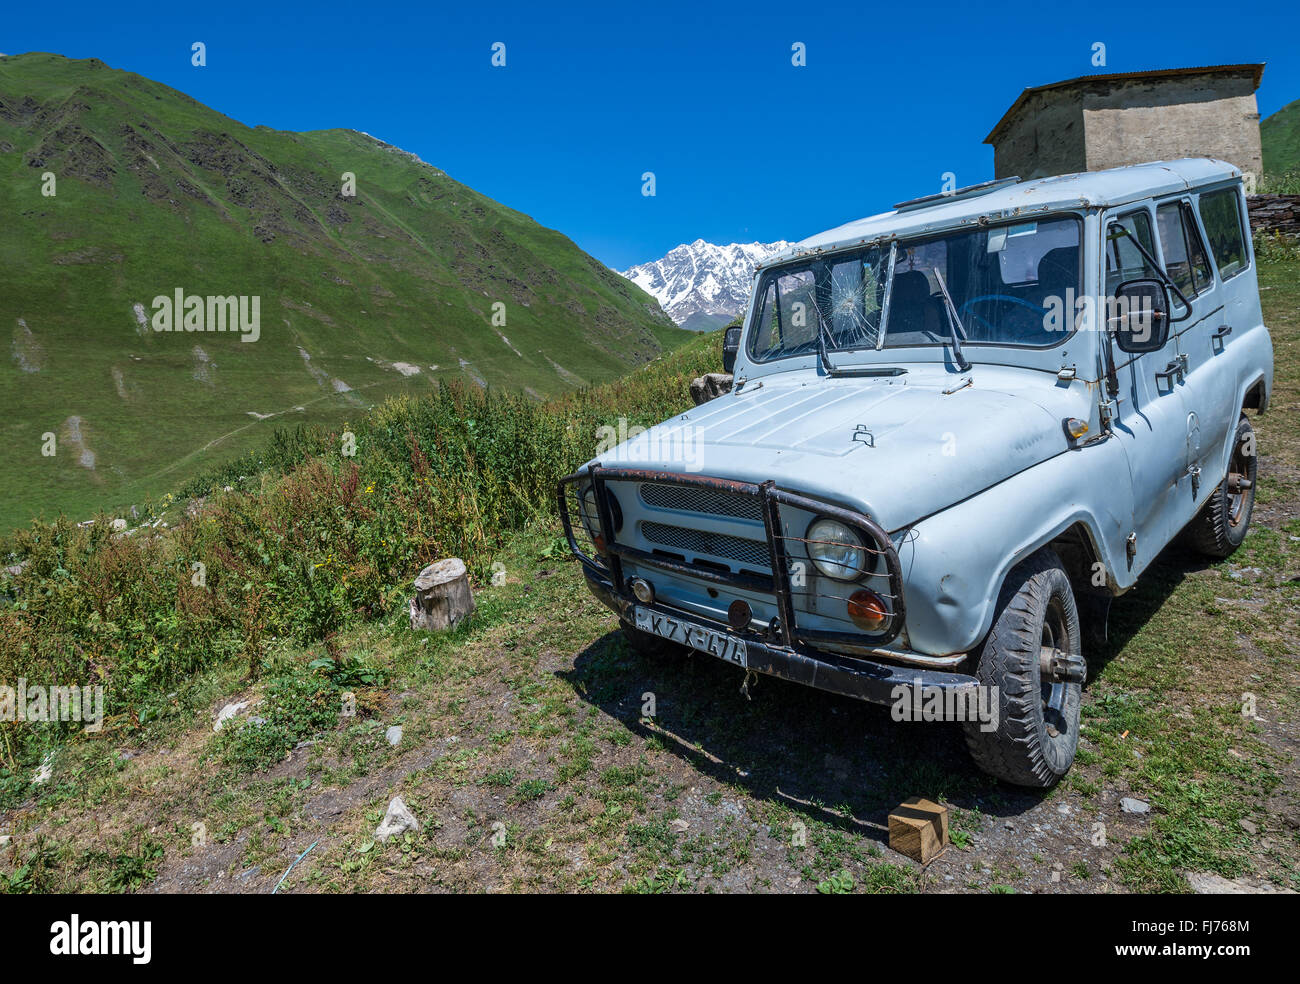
(1008, 284)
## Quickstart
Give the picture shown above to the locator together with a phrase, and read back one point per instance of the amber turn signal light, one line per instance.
(867, 610)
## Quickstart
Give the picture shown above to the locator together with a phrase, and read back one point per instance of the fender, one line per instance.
(1261, 355)
(955, 561)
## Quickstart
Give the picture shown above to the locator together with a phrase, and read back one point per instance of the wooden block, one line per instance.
(918, 828)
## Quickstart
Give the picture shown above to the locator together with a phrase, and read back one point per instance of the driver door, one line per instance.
(1149, 418)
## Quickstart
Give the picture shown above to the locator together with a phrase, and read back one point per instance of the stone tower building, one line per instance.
(1100, 121)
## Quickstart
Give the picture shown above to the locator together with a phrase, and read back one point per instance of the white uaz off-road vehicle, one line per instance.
(953, 427)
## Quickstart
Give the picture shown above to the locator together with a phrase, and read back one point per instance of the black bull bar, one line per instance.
(790, 651)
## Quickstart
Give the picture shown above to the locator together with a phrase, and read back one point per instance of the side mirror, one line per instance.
(1139, 316)
(730, 346)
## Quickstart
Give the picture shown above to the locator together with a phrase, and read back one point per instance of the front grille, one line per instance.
(707, 501)
(741, 559)
(750, 552)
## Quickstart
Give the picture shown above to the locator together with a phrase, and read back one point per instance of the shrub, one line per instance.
(306, 543)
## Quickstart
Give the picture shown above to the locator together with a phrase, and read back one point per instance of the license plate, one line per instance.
(720, 644)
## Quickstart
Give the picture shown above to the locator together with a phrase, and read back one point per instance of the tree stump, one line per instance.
(442, 596)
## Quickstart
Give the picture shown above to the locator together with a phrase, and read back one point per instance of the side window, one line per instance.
(1184, 255)
(1202, 277)
(767, 332)
(1221, 216)
(1124, 261)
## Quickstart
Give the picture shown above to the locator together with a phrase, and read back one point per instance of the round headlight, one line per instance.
(836, 550)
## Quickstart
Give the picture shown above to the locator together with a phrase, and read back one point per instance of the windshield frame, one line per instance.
(768, 274)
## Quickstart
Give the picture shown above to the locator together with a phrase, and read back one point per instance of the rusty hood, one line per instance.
(897, 447)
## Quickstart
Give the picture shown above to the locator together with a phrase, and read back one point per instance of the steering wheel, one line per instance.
(996, 299)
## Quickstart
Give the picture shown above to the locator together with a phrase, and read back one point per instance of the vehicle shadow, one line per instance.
(837, 760)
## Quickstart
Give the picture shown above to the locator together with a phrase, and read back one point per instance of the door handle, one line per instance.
(1221, 333)
(1177, 367)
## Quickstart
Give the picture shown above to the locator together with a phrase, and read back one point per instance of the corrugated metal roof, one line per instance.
(1255, 68)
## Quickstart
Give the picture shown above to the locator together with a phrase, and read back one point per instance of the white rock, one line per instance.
(42, 774)
(1205, 883)
(119, 524)
(229, 711)
(1130, 805)
(394, 734)
(397, 820)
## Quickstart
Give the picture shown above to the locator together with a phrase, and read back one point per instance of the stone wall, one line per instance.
(1274, 213)
(1090, 126)
(1195, 116)
(1045, 138)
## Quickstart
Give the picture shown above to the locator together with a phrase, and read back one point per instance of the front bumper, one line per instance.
(876, 683)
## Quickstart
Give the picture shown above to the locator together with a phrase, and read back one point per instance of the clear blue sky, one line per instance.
(744, 146)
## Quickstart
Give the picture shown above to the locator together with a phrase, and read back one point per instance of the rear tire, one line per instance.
(1037, 732)
(1221, 525)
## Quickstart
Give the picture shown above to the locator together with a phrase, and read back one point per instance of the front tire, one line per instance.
(1037, 731)
(1221, 525)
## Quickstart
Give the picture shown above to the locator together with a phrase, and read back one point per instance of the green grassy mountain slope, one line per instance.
(1280, 136)
(361, 297)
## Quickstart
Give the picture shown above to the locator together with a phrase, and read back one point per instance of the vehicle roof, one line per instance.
(1090, 189)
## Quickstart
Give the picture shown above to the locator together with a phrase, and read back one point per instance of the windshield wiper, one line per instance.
(955, 327)
(859, 370)
(869, 370)
(827, 367)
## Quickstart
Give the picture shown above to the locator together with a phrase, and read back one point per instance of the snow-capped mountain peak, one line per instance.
(704, 280)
